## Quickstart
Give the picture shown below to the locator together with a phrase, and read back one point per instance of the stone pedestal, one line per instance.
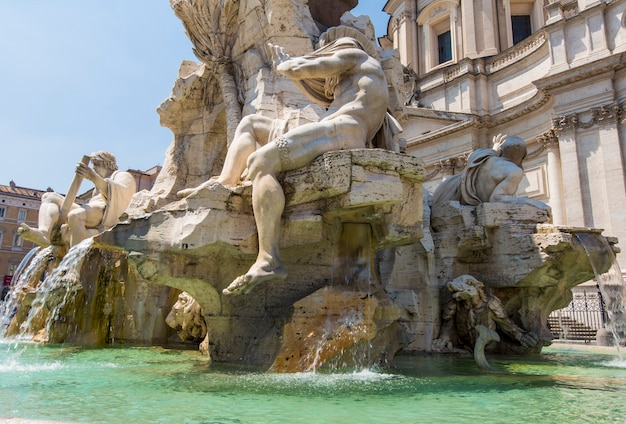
(201, 243)
(529, 264)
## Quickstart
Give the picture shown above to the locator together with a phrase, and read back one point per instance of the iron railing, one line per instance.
(581, 319)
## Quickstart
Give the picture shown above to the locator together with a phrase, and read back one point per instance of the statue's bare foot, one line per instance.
(258, 273)
(210, 183)
(33, 234)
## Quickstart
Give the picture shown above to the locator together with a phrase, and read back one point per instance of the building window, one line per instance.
(1, 237)
(444, 47)
(438, 33)
(18, 241)
(521, 27)
(2, 212)
(21, 215)
(12, 268)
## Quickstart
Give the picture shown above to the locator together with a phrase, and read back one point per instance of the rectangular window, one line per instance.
(18, 241)
(12, 268)
(444, 47)
(2, 212)
(21, 215)
(521, 27)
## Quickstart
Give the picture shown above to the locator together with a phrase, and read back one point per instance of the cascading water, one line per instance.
(353, 271)
(43, 290)
(610, 284)
(27, 277)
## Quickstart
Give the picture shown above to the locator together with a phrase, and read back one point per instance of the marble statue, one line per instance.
(491, 175)
(471, 307)
(186, 316)
(343, 76)
(57, 213)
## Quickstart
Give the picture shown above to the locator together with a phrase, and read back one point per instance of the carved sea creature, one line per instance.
(485, 336)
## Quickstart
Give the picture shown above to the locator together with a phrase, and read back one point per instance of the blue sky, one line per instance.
(79, 76)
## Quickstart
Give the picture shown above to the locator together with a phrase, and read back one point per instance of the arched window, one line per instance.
(438, 34)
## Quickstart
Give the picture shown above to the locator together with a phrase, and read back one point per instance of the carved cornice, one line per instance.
(540, 99)
(453, 165)
(442, 132)
(605, 114)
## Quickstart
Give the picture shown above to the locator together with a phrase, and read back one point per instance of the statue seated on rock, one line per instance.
(61, 221)
(491, 175)
(344, 76)
(470, 308)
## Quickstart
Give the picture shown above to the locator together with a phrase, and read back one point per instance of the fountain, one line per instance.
(367, 252)
(383, 282)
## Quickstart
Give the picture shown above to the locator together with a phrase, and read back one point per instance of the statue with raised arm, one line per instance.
(347, 79)
(491, 175)
(59, 214)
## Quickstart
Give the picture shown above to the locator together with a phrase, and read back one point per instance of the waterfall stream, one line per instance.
(610, 284)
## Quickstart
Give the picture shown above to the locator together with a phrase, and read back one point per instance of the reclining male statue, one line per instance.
(491, 175)
(113, 192)
(343, 76)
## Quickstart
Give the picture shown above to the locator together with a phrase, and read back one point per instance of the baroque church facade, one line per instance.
(551, 72)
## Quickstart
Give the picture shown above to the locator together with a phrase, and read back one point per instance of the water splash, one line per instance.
(27, 277)
(610, 283)
(57, 290)
(46, 281)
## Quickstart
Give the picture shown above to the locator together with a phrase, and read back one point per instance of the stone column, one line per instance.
(568, 154)
(614, 185)
(550, 142)
(469, 29)
(488, 29)
(555, 183)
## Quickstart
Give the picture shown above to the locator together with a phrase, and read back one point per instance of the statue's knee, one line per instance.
(76, 216)
(52, 197)
(263, 161)
(246, 123)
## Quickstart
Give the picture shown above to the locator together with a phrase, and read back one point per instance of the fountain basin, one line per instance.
(151, 385)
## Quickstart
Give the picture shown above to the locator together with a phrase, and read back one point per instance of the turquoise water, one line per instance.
(156, 385)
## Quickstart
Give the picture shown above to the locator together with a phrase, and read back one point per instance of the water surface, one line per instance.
(157, 385)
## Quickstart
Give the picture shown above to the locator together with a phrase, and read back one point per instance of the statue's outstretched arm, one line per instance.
(321, 66)
(506, 324)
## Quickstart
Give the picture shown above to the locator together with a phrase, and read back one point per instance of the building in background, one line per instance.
(552, 73)
(17, 205)
(21, 204)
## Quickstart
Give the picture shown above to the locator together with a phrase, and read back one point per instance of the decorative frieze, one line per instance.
(604, 114)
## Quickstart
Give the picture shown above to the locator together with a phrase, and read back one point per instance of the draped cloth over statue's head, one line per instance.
(321, 90)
